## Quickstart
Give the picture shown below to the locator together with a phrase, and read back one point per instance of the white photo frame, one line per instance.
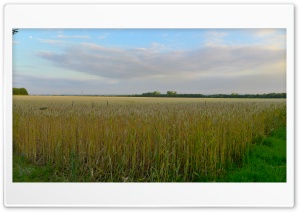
(147, 194)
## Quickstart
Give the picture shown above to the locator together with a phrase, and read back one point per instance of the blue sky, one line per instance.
(134, 61)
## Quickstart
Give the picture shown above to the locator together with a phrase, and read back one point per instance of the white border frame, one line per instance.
(147, 16)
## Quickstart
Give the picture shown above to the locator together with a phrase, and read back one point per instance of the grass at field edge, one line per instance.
(265, 161)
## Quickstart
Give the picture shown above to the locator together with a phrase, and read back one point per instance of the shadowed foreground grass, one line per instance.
(264, 162)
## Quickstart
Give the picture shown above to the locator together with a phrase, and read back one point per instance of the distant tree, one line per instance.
(14, 31)
(23, 91)
(156, 93)
(171, 93)
(16, 91)
(20, 91)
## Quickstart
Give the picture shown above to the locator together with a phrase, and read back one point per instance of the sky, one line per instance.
(136, 61)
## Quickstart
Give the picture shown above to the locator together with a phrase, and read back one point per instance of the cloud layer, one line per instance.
(154, 62)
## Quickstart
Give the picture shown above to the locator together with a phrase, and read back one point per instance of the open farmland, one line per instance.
(117, 139)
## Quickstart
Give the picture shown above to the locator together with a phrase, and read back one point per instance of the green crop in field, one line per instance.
(116, 139)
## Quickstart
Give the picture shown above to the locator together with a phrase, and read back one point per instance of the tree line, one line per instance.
(233, 95)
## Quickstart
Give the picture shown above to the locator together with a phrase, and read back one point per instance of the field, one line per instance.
(135, 139)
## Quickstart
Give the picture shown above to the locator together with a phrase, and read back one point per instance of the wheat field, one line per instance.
(135, 139)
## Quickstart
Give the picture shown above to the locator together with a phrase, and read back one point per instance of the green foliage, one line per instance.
(155, 93)
(24, 171)
(14, 31)
(265, 162)
(20, 91)
(171, 93)
(233, 95)
(16, 91)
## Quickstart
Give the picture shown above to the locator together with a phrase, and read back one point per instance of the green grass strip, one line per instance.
(265, 162)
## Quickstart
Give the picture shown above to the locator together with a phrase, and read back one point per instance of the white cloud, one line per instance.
(271, 38)
(103, 36)
(74, 36)
(215, 38)
(264, 32)
(50, 41)
(277, 41)
(155, 46)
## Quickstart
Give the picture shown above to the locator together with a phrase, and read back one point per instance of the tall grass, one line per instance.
(168, 141)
